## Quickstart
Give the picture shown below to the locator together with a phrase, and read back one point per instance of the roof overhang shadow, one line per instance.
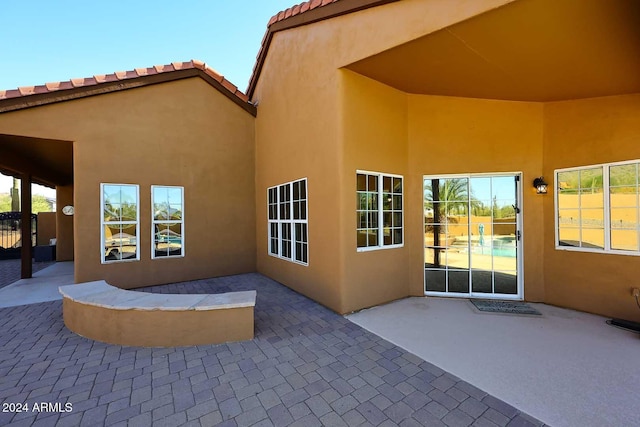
(528, 50)
(48, 161)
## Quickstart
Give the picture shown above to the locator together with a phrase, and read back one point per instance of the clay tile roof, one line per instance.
(223, 84)
(13, 93)
(298, 9)
(77, 82)
(26, 90)
(52, 86)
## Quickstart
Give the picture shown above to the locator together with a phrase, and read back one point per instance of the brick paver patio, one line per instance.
(307, 367)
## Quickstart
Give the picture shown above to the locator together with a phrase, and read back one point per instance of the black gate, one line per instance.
(11, 234)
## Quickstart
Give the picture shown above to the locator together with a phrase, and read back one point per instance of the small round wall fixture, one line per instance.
(68, 210)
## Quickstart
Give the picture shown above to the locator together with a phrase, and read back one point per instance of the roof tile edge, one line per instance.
(124, 75)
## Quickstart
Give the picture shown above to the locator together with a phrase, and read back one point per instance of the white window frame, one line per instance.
(157, 221)
(291, 221)
(519, 238)
(380, 212)
(606, 207)
(103, 224)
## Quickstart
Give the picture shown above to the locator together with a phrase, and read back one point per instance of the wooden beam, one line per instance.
(26, 252)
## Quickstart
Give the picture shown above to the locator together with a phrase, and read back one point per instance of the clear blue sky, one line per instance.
(45, 41)
(52, 40)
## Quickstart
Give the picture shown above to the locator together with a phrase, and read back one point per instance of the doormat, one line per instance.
(513, 307)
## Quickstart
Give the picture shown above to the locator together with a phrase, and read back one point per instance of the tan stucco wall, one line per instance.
(288, 148)
(461, 135)
(182, 133)
(158, 328)
(583, 133)
(374, 122)
(388, 131)
(302, 87)
(299, 134)
(46, 228)
(64, 224)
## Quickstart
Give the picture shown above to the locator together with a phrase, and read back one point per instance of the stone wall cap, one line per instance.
(102, 294)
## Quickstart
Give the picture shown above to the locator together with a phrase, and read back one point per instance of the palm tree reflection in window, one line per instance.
(445, 199)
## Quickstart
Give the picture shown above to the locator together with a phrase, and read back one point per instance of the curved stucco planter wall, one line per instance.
(102, 312)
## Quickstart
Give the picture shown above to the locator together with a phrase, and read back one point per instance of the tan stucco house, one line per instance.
(383, 149)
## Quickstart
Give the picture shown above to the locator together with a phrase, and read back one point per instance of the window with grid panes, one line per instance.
(120, 215)
(288, 224)
(167, 221)
(379, 210)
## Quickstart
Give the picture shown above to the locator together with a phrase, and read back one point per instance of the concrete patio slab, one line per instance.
(43, 286)
(566, 368)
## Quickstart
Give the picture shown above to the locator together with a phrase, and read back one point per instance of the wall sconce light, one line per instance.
(540, 185)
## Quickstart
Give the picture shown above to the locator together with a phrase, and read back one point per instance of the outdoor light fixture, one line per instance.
(540, 185)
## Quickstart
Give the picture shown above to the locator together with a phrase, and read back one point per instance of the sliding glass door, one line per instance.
(472, 235)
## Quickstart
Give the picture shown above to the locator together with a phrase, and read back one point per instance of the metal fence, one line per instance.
(11, 234)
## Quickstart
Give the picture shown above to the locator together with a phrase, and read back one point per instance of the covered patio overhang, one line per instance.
(528, 50)
(534, 86)
(35, 160)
